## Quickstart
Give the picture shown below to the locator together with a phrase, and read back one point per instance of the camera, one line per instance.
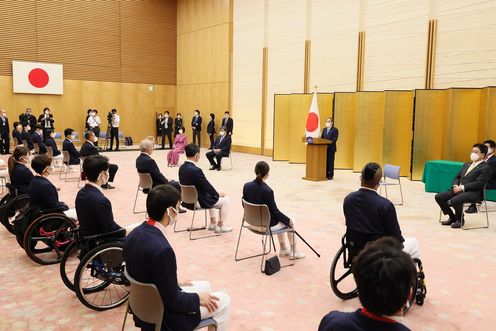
(110, 118)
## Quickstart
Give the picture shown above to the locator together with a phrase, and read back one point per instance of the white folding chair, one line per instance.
(222, 162)
(391, 172)
(478, 205)
(145, 184)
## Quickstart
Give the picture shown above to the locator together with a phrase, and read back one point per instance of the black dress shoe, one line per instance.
(449, 221)
(472, 209)
(108, 186)
(218, 168)
(456, 225)
(213, 168)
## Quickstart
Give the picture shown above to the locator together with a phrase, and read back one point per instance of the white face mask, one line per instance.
(328, 124)
(106, 174)
(180, 131)
(166, 115)
(474, 157)
(172, 213)
(222, 133)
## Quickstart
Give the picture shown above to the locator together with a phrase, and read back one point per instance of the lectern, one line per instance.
(316, 158)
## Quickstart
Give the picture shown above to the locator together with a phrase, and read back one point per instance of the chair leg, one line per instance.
(239, 240)
(385, 188)
(401, 192)
(264, 246)
(125, 317)
(247, 257)
(135, 199)
(191, 229)
(476, 227)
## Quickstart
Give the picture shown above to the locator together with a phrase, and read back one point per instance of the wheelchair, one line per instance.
(344, 287)
(10, 205)
(93, 267)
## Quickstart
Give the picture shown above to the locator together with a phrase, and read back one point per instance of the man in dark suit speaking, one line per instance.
(467, 187)
(88, 148)
(221, 148)
(331, 133)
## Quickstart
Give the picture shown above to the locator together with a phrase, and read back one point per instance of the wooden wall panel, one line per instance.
(193, 15)
(369, 129)
(299, 106)
(282, 118)
(487, 118)
(344, 121)
(398, 129)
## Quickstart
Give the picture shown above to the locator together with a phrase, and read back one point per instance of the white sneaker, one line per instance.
(284, 252)
(222, 229)
(297, 255)
(212, 226)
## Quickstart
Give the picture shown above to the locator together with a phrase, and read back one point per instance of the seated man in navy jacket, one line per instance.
(26, 135)
(150, 259)
(17, 133)
(42, 192)
(68, 146)
(491, 162)
(93, 209)
(88, 148)
(370, 216)
(208, 197)
(385, 277)
(38, 139)
(221, 148)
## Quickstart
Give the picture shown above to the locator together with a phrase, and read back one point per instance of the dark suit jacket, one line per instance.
(25, 120)
(196, 123)
(169, 123)
(44, 194)
(94, 212)
(26, 136)
(88, 149)
(18, 136)
(37, 139)
(190, 174)
(369, 217)
(68, 145)
(491, 162)
(21, 178)
(261, 193)
(211, 127)
(178, 123)
(50, 142)
(229, 124)
(150, 259)
(353, 321)
(476, 179)
(145, 164)
(331, 134)
(224, 145)
(160, 127)
(4, 126)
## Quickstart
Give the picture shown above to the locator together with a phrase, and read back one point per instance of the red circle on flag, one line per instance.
(312, 122)
(38, 77)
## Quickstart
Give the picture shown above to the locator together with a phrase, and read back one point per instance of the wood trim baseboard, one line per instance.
(246, 149)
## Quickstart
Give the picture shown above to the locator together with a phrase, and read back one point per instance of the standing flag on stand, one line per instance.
(313, 119)
(37, 78)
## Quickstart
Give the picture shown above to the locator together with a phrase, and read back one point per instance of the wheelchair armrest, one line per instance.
(117, 233)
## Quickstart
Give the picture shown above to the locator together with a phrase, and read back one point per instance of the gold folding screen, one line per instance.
(487, 118)
(344, 121)
(281, 127)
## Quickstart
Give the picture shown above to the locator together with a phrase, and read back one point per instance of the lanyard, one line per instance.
(373, 316)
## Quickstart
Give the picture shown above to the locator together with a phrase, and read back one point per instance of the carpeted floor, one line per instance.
(460, 265)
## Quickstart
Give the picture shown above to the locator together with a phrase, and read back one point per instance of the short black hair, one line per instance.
(159, 199)
(114, 110)
(384, 275)
(482, 148)
(491, 143)
(89, 111)
(38, 127)
(88, 134)
(369, 172)
(212, 115)
(191, 150)
(49, 132)
(40, 162)
(96, 111)
(226, 112)
(68, 132)
(166, 112)
(46, 108)
(223, 128)
(93, 165)
(196, 110)
(178, 114)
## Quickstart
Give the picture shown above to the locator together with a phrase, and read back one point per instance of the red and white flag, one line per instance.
(313, 119)
(37, 77)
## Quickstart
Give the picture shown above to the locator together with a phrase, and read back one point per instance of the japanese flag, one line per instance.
(313, 121)
(37, 77)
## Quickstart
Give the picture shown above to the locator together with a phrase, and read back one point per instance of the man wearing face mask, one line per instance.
(37, 138)
(370, 216)
(28, 118)
(26, 136)
(491, 161)
(467, 187)
(94, 124)
(196, 122)
(228, 123)
(4, 133)
(221, 148)
(330, 133)
(208, 197)
(68, 145)
(88, 148)
(151, 259)
(167, 131)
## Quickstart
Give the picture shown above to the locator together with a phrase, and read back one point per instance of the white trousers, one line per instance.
(280, 236)
(223, 204)
(411, 246)
(71, 213)
(221, 315)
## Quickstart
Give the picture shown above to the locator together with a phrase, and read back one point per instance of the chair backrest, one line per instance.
(391, 171)
(145, 302)
(67, 157)
(49, 151)
(256, 215)
(189, 195)
(36, 147)
(24, 143)
(58, 135)
(76, 135)
(145, 181)
(103, 134)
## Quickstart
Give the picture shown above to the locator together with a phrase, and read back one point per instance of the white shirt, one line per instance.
(94, 121)
(115, 121)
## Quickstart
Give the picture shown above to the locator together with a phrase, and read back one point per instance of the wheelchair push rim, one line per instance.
(69, 263)
(342, 284)
(11, 211)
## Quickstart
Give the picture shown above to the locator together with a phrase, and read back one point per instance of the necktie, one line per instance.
(472, 166)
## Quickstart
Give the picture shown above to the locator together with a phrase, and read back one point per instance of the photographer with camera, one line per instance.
(113, 124)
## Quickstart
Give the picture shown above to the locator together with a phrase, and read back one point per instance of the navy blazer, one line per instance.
(21, 178)
(491, 162)
(261, 193)
(196, 123)
(150, 259)
(145, 164)
(18, 136)
(26, 119)
(190, 174)
(26, 136)
(343, 321)
(476, 179)
(211, 127)
(88, 149)
(43, 194)
(4, 126)
(331, 134)
(369, 217)
(224, 145)
(169, 122)
(94, 212)
(37, 139)
(178, 123)
(50, 142)
(68, 146)
(229, 124)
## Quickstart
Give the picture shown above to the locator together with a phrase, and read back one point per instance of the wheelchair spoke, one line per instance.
(346, 274)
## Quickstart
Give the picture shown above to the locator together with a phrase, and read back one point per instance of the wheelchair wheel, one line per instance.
(342, 285)
(99, 281)
(69, 263)
(47, 237)
(11, 210)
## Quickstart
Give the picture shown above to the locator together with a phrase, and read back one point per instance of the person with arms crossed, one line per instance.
(330, 133)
